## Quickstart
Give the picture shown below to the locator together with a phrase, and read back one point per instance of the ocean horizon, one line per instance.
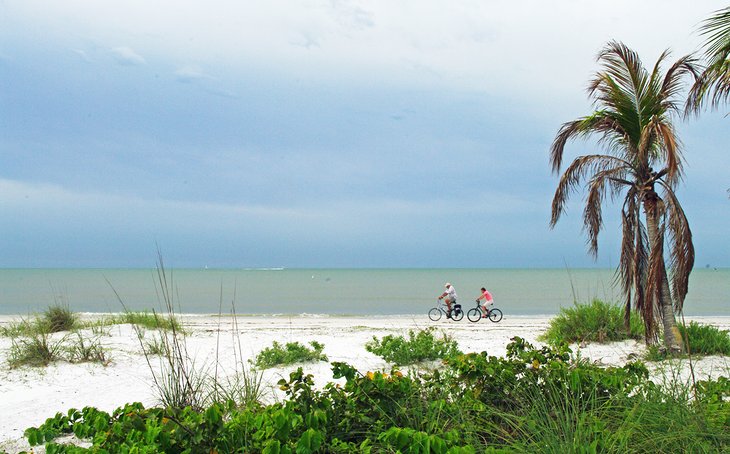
(330, 291)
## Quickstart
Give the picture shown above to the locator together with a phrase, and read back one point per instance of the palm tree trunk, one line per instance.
(665, 307)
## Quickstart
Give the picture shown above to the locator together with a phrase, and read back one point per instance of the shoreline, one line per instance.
(31, 395)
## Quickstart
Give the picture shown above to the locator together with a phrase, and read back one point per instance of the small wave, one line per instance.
(264, 269)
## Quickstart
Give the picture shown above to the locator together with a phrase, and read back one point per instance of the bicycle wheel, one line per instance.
(495, 315)
(434, 314)
(474, 315)
(457, 314)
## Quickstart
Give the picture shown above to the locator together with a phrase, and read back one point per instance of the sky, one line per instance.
(314, 133)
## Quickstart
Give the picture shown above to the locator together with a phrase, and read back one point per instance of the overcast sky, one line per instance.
(319, 133)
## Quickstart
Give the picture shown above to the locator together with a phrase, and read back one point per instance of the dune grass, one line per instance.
(703, 340)
(36, 350)
(149, 320)
(597, 321)
(57, 318)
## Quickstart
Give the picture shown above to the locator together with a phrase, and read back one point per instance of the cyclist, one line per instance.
(488, 301)
(449, 296)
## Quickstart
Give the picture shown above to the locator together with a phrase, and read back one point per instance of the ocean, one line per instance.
(363, 292)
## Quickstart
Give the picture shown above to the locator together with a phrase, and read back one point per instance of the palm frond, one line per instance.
(713, 85)
(681, 247)
(716, 29)
(573, 176)
(626, 271)
(581, 128)
(670, 151)
(604, 177)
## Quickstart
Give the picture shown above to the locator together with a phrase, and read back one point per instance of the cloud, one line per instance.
(82, 54)
(127, 57)
(194, 75)
(190, 74)
(352, 16)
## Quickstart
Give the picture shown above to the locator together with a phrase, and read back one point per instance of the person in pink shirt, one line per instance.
(488, 301)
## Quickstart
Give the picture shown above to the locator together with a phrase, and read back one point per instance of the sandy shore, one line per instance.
(30, 395)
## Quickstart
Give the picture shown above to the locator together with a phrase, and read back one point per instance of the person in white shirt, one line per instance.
(449, 296)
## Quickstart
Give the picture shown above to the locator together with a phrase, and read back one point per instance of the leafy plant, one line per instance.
(290, 353)
(594, 322)
(420, 346)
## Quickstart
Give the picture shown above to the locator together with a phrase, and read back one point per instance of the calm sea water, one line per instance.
(330, 291)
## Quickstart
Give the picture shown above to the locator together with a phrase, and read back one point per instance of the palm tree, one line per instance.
(713, 84)
(633, 124)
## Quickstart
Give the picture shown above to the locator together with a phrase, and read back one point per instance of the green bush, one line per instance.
(291, 353)
(594, 322)
(420, 346)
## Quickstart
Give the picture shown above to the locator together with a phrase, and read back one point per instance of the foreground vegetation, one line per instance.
(533, 400)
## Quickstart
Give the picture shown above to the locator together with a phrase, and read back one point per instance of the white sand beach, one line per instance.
(30, 395)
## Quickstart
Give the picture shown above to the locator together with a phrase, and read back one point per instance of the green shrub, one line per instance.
(420, 346)
(291, 353)
(594, 322)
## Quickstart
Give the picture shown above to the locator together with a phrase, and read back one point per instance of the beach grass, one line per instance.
(149, 320)
(81, 349)
(57, 318)
(36, 349)
(706, 339)
(596, 321)
(701, 339)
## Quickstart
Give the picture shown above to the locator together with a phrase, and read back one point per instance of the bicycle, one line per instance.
(435, 313)
(475, 314)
